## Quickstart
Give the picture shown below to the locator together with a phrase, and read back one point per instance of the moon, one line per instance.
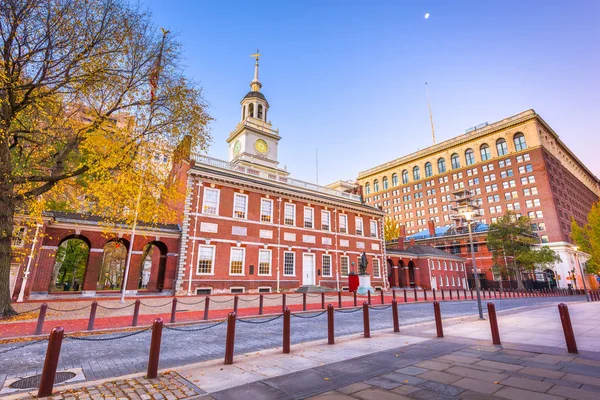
(426, 15)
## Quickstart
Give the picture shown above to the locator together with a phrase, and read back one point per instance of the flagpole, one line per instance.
(129, 254)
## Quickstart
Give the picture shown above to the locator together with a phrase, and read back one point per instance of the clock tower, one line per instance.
(253, 142)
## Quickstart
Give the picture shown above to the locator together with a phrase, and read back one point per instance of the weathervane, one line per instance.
(256, 55)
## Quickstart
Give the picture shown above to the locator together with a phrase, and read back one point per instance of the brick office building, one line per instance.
(249, 226)
(517, 164)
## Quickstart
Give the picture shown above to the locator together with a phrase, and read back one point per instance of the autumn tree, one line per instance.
(391, 229)
(587, 237)
(89, 89)
(512, 243)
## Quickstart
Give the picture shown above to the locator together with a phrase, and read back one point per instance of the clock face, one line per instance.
(236, 148)
(261, 146)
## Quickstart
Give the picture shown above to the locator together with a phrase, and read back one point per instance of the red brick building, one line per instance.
(249, 226)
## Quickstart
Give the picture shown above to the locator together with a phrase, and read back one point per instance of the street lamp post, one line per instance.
(587, 296)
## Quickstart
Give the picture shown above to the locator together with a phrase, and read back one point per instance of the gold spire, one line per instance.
(255, 84)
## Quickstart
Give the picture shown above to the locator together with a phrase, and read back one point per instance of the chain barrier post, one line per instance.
(471, 294)
(443, 296)
(382, 296)
(157, 327)
(438, 319)
(322, 300)
(206, 307)
(340, 300)
(92, 317)
(450, 292)
(330, 327)
(51, 362)
(483, 293)
(394, 294)
(40, 322)
(405, 297)
(425, 294)
(235, 303)
(261, 301)
(283, 302)
(355, 299)
(369, 296)
(565, 319)
(495, 293)
(433, 291)
(229, 341)
(367, 327)
(173, 309)
(465, 294)
(395, 316)
(286, 330)
(457, 294)
(304, 301)
(415, 294)
(494, 324)
(136, 312)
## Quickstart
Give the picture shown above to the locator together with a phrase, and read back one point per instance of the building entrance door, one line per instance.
(308, 269)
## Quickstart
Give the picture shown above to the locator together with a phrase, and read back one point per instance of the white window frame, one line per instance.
(236, 288)
(270, 262)
(262, 209)
(243, 250)
(343, 217)
(374, 232)
(324, 212)
(212, 265)
(204, 205)
(293, 262)
(235, 195)
(312, 218)
(359, 221)
(376, 271)
(263, 288)
(323, 256)
(347, 258)
(203, 288)
(293, 208)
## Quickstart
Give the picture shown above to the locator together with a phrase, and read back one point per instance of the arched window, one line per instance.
(385, 183)
(428, 169)
(501, 147)
(455, 161)
(375, 186)
(416, 173)
(485, 152)
(470, 157)
(251, 110)
(394, 179)
(260, 108)
(367, 188)
(441, 165)
(404, 177)
(520, 143)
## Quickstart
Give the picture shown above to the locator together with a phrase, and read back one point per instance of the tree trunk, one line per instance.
(7, 211)
(518, 275)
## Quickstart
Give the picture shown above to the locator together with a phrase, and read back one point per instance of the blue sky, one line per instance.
(348, 77)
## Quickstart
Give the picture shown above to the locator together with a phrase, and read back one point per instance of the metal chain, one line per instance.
(313, 295)
(170, 328)
(151, 306)
(71, 310)
(23, 345)
(103, 339)
(249, 321)
(221, 302)
(249, 300)
(191, 304)
(310, 316)
(380, 308)
(115, 308)
(291, 296)
(275, 296)
(28, 311)
(348, 311)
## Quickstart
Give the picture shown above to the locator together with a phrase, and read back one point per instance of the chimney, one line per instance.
(412, 242)
(402, 231)
(431, 227)
(400, 245)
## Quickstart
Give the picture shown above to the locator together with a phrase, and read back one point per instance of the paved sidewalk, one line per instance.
(407, 365)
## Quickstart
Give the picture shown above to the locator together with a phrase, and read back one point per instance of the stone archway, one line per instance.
(153, 266)
(412, 274)
(114, 260)
(70, 264)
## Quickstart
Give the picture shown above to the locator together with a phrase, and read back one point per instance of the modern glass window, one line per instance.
(404, 177)
(326, 270)
(455, 161)
(289, 263)
(485, 152)
(373, 228)
(325, 221)
(385, 183)
(240, 206)
(367, 188)
(236, 261)
(210, 202)
(266, 210)
(309, 217)
(344, 265)
(470, 157)
(428, 169)
(519, 140)
(376, 269)
(441, 165)
(416, 173)
(376, 186)
(343, 223)
(206, 259)
(289, 217)
(394, 179)
(359, 226)
(264, 262)
(501, 147)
